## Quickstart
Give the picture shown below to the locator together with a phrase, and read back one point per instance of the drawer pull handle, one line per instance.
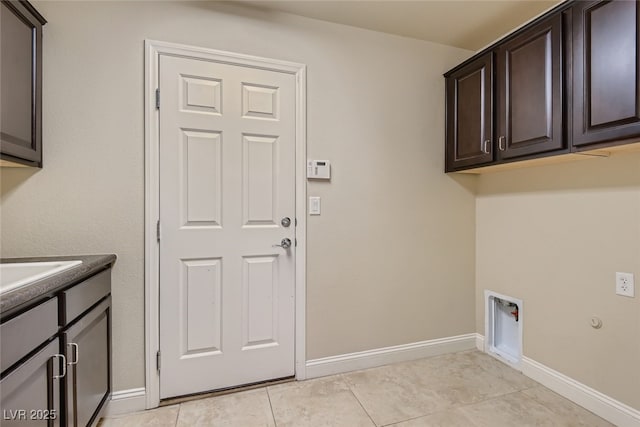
(64, 366)
(76, 355)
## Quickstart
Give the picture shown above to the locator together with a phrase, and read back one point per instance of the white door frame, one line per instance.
(153, 50)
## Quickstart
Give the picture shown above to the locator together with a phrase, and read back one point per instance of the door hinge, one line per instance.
(296, 242)
(158, 231)
(158, 360)
(158, 99)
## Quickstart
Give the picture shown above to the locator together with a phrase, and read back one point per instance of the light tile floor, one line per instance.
(467, 389)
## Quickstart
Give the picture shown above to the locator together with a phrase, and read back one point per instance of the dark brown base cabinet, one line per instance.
(568, 82)
(66, 380)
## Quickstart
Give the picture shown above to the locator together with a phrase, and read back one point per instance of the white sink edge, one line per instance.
(61, 266)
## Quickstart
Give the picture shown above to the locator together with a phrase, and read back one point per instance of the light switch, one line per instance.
(314, 205)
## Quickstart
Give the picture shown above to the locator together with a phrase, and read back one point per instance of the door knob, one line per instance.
(284, 243)
(286, 221)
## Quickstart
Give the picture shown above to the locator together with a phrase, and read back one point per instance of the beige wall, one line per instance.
(555, 236)
(391, 259)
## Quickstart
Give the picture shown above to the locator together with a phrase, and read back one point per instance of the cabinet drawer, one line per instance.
(20, 335)
(78, 299)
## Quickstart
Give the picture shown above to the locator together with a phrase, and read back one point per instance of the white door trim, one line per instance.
(153, 50)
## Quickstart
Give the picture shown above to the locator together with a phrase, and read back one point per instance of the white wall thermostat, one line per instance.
(318, 169)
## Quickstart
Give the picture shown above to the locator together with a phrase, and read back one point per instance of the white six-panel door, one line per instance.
(227, 179)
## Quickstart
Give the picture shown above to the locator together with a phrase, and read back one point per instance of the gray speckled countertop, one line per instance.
(29, 295)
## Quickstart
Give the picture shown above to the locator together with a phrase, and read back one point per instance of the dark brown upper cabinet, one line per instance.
(606, 72)
(470, 114)
(521, 98)
(21, 82)
(568, 82)
(529, 91)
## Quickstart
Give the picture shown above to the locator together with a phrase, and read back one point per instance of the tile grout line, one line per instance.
(451, 408)
(498, 396)
(516, 388)
(341, 377)
(273, 416)
(561, 397)
(538, 402)
(541, 403)
(407, 420)
(178, 414)
(454, 407)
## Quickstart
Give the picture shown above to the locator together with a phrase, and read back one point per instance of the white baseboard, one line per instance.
(600, 404)
(126, 402)
(480, 342)
(383, 356)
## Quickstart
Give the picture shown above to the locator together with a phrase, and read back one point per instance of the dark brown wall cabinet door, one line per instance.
(470, 114)
(529, 100)
(606, 78)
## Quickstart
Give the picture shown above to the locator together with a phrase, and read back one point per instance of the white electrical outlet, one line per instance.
(624, 284)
